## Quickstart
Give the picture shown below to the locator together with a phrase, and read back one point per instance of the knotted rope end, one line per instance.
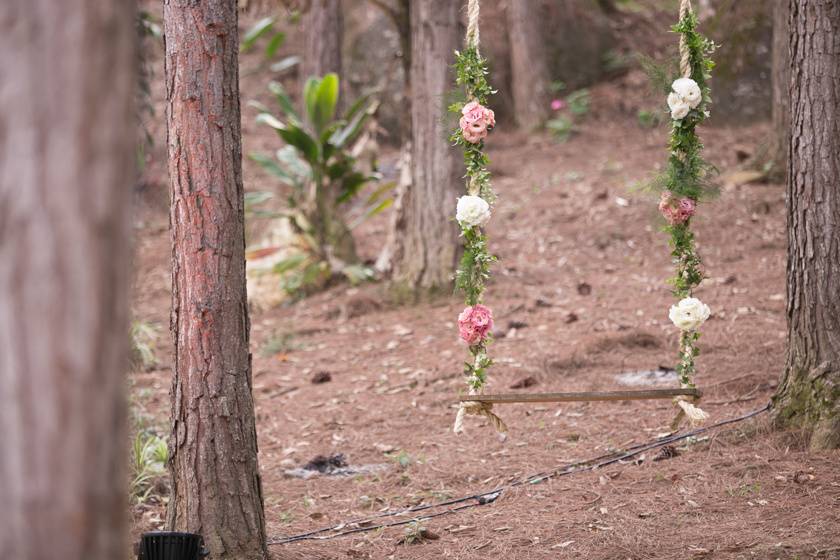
(695, 414)
(477, 408)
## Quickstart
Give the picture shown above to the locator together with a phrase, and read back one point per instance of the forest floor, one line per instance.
(580, 298)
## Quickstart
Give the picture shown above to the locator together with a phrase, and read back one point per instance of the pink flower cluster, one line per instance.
(676, 210)
(474, 323)
(476, 121)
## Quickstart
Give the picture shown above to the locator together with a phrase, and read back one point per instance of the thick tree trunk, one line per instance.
(528, 62)
(809, 394)
(776, 161)
(323, 25)
(216, 489)
(67, 132)
(426, 244)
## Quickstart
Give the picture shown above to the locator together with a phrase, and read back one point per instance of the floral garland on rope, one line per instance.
(473, 211)
(684, 183)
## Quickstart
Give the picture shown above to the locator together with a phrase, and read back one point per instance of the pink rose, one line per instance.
(687, 207)
(473, 112)
(474, 323)
(476, 121)
(490, 118)
(473, 132)
(557, 104)
(676, 211)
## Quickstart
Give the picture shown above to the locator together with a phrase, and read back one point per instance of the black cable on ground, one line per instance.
(364, 525)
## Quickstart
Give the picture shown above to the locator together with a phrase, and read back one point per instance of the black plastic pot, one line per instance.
(168, 545)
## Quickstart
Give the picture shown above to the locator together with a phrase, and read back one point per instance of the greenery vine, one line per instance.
(474, 268)
(686, 181)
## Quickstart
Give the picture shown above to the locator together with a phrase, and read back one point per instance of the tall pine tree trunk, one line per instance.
(323, 28)
(809, 394)
(216, 488)
(529, 66)
(67, 131)
(425, 248)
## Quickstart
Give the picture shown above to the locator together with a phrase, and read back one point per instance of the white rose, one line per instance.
(688, 90)
(472, 211)
(674, 100)
(689, 314)
(679, 111)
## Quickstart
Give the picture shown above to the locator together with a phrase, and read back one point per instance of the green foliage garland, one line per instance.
(474, 269)
(687, 177)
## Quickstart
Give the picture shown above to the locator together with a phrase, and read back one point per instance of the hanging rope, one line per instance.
(685, 56)
(687, 404)
(472, 23)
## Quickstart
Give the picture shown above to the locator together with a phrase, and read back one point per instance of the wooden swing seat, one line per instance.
(644, 394)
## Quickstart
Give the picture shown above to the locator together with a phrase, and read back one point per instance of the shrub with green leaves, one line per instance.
(568, 112)
(265, 31)
(319, 167)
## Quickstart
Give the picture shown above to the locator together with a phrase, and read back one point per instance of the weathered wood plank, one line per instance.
(636, 395)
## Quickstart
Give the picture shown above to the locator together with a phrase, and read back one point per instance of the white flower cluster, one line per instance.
(684, 97)
(472, 211)
(689, 314)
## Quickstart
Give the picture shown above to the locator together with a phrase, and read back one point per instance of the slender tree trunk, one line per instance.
(809, 394)
(67, 132)
(216, 488)
(529, 66)
(323, 25)
(426, 242)
(777, 152)
(400, 14)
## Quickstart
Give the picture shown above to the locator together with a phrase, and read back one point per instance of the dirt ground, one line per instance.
(580, 297)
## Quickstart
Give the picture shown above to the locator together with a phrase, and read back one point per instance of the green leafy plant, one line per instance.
(568, 112)
(319, 167)
(149, 454)
(578, 102)
(561, 127)
(265, 31)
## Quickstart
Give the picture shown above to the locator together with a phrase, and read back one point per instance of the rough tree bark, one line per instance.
(426, 245)
(809, 393)
(67, 131)
(528, 62)
(216, 488)
(323, 25)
